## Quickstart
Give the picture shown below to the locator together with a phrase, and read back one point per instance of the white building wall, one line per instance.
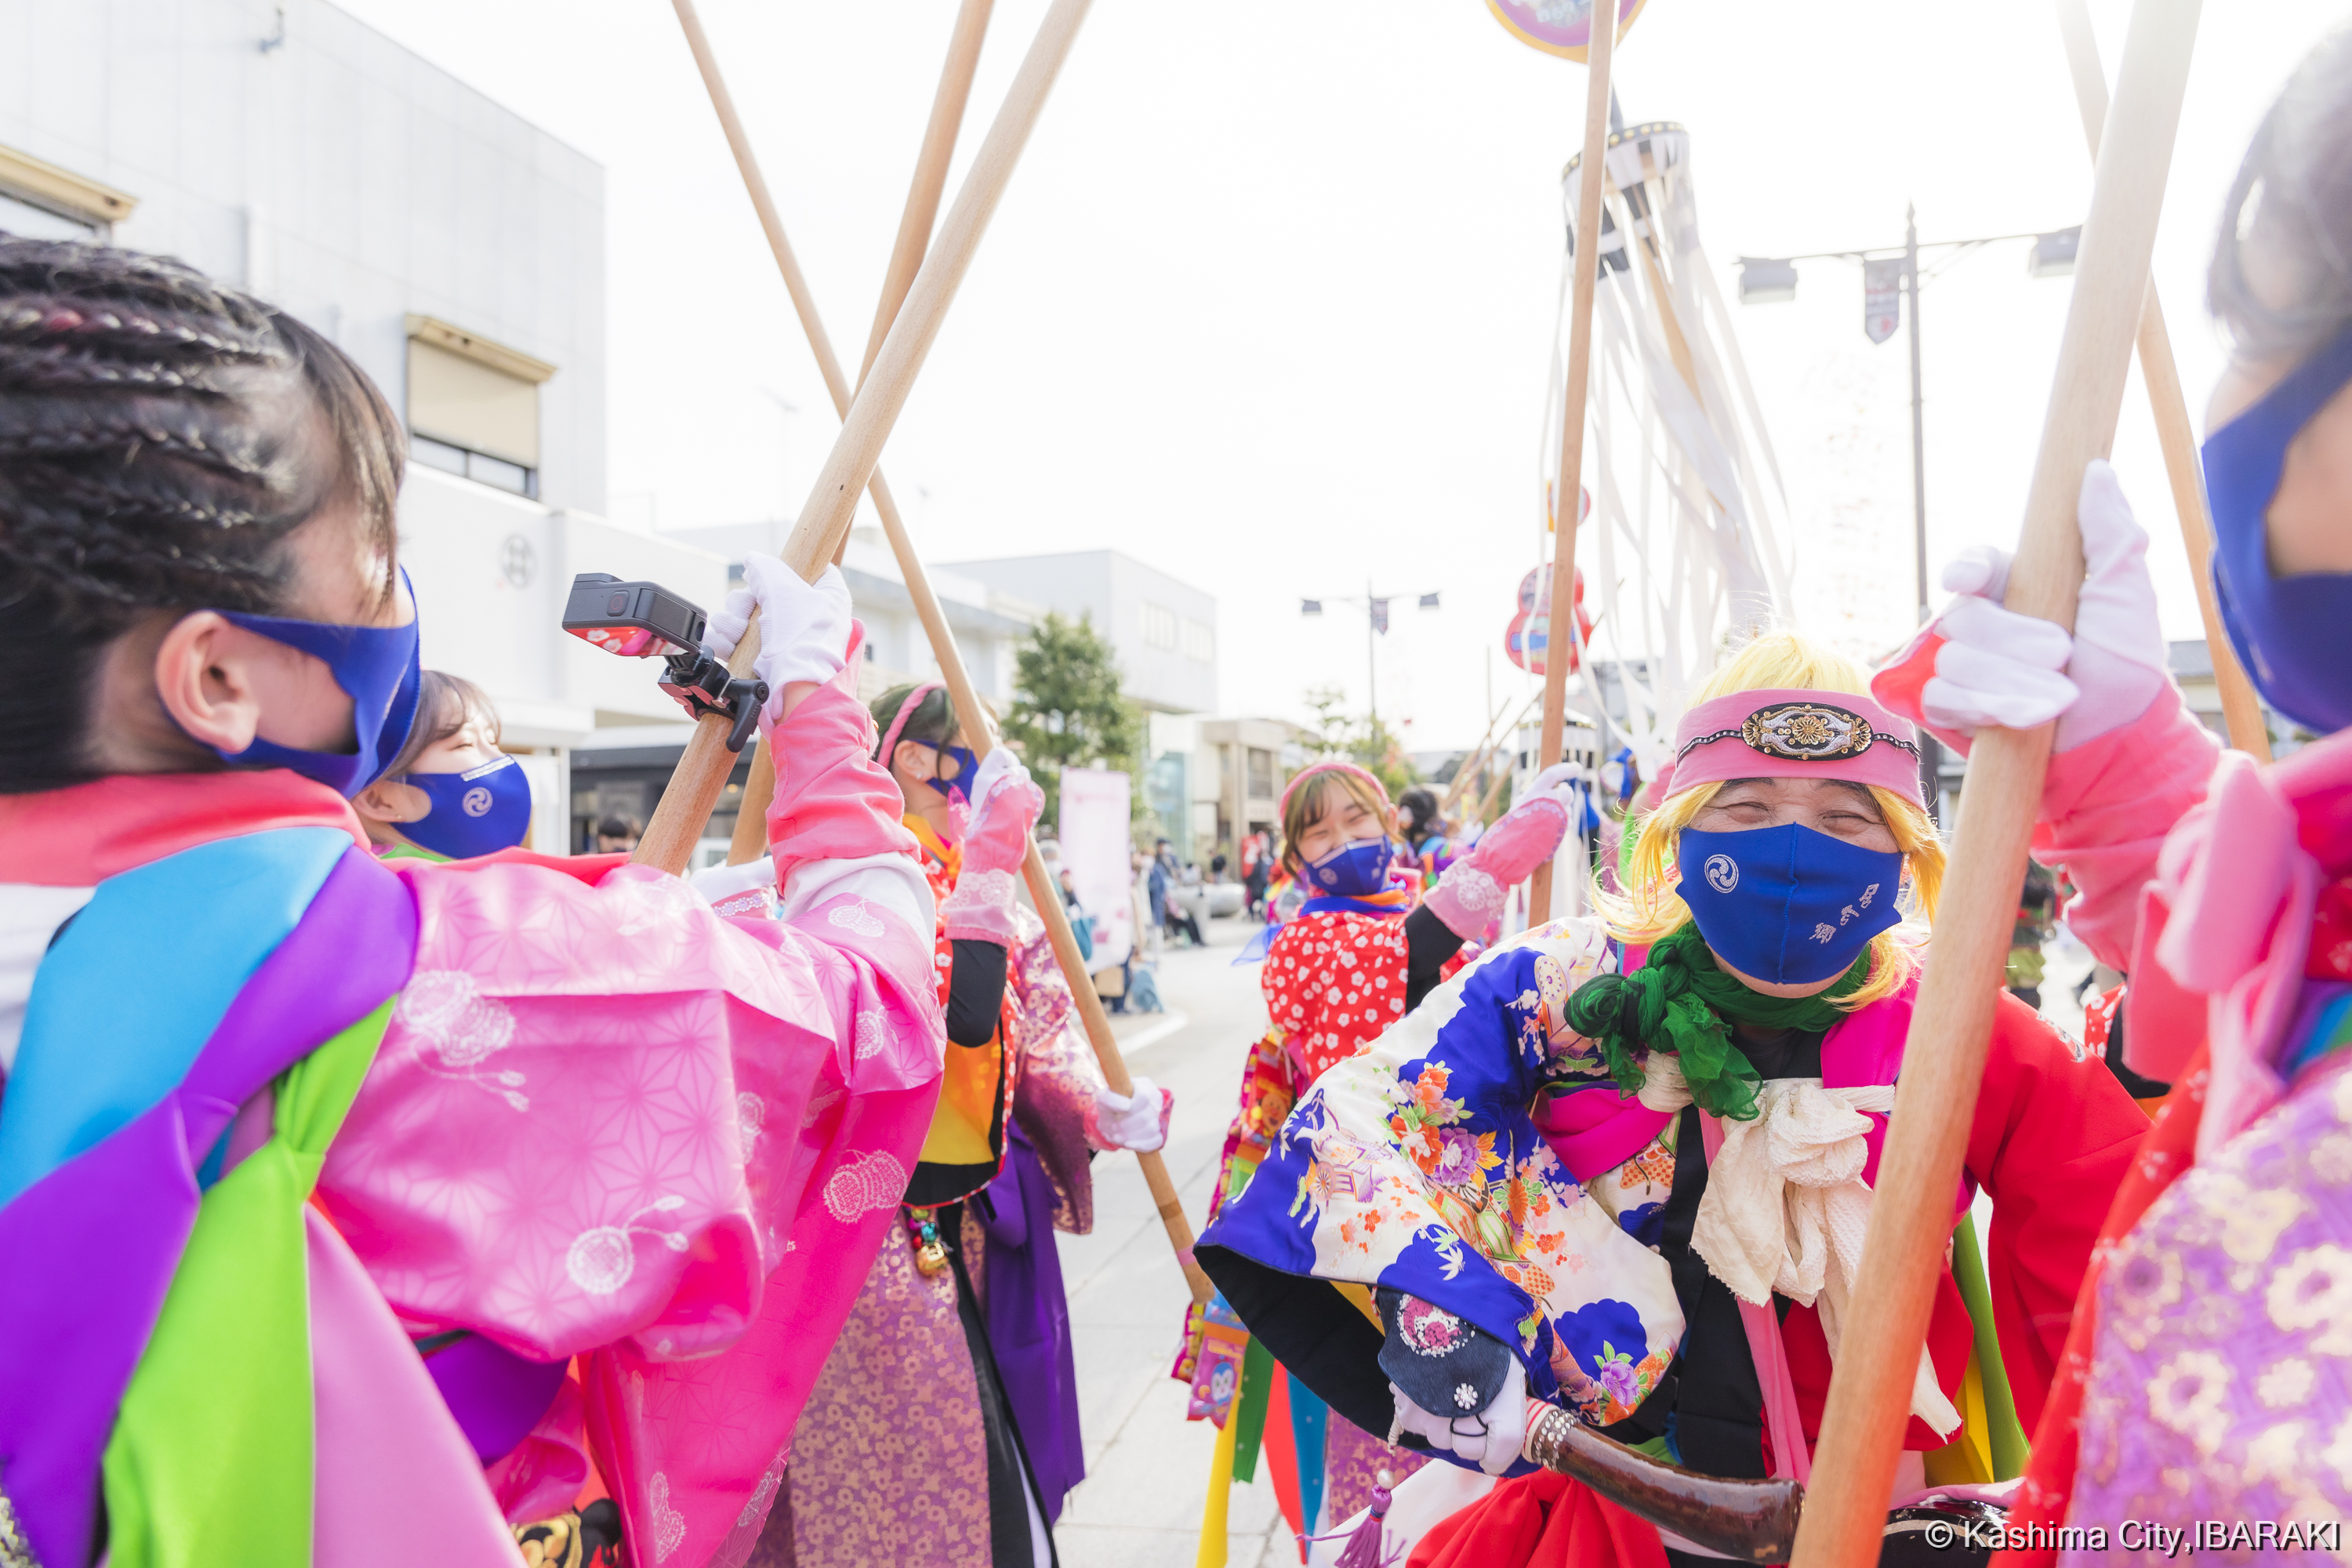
(334, 174)
(1117, 593)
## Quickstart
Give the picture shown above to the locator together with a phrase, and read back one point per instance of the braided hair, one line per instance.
(161, 438)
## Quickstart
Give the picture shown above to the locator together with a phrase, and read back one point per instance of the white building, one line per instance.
(452, 249)
(1164, 631)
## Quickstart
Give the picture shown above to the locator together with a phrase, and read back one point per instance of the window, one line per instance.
(1261, 773)
(1158, 627)
(40, 201)
(1199, 643)
(473, 406)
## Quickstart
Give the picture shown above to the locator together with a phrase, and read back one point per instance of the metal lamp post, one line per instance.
(1888, 275)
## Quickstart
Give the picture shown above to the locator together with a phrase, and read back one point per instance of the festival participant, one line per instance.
(2213, 1337)
(317, 1172)
(1362, 951)
(451, 793)
(1640, 1192)
(945, 1425)
(1428, 849)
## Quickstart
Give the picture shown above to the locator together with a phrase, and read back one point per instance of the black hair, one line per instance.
(1419, 804)
(161, 438)
(933, 720)
(444, 704)
(618, 826)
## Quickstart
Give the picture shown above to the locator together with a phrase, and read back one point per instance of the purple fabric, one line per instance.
(104, 1231)
(496, 1396)
(1029, 1321)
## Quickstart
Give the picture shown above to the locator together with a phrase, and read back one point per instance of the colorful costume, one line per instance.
(1673, 1275)
(945, 1424)
(1337, 974)
(2208, 1370)
(327, 1166)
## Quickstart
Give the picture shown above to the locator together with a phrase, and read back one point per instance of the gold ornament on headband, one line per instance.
(1807, 731)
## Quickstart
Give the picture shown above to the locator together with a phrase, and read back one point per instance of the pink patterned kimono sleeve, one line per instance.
(606, 1121)
(2106, 807)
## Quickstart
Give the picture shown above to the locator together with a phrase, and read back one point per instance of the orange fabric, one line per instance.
(2168, 1151)
(1543, 1521)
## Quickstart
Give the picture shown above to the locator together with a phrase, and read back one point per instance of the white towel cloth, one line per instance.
(1786, 1207)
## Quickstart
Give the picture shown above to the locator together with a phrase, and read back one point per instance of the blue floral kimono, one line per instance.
(1416, 1165)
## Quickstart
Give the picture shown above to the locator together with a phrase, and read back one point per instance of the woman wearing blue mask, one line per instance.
(1623, 1164)
(2212, 1375)
(451, 793)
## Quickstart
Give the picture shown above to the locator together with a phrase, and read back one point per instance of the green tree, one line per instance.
(1361, 739)
(1067, 707)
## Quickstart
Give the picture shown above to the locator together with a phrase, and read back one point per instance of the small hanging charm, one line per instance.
(930, 1256)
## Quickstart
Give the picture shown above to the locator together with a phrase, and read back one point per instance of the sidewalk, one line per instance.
(1147, 1468)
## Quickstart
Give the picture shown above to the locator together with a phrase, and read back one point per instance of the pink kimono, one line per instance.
(602, 1123)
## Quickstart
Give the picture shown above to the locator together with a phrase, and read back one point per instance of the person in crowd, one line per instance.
(451, 793)
(1622, 1164)
(1364, 948)
(1428, 849)
(617, 834)
(962, 1317)
(372, 1210)
(2209, 1374)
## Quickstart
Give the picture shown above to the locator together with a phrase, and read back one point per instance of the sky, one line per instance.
(1269, 304)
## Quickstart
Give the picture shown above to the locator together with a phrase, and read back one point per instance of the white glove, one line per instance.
(1137, 1121)
(994, 768)
(1999, 667)
(1489, 1439)
(714, 885)
(1553, 780)
(803, 626)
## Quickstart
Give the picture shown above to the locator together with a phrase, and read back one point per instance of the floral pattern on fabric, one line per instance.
(2221, 1384)
(1414, 1164)
(1333, 981)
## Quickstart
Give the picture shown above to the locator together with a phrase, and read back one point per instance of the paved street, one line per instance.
(1147, 1468)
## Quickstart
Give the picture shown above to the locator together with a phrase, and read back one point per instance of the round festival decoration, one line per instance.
(1561, 27)
(1528, 636)
(1551, 508)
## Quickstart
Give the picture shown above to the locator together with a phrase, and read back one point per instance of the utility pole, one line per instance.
(1371, 651)
(1931, 750)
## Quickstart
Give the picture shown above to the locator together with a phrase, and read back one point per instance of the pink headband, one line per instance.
(1786, 733)
(898, 719)
(1283, 806)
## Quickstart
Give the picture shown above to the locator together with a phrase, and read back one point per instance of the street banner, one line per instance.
(1882, 297)
(1096, 849)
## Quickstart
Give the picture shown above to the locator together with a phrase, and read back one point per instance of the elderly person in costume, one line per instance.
(1624, 1162)
(2209, 1373)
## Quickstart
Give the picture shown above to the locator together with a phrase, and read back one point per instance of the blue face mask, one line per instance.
(479, 811)
(377, 669)
(2289, 631)
(1787, 905)
(1355, 870)
(962, 761)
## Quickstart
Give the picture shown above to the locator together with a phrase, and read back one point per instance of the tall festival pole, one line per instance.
(1911, 1215)
(1042, 890)
(2241, 711)
(1560, 649)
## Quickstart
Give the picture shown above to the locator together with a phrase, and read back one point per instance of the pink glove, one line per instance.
(1474, 888)
(1005, 805)
(1978, 663)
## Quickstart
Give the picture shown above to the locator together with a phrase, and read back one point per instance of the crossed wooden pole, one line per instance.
(1951, 1024)
(921, 282)
(1587, 262)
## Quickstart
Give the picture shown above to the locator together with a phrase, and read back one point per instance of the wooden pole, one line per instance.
(1042, 890)
(1935, 1100)
(2241, 709)
(702, 772)
(1487, 743)
(1591, 175)
(751, 837)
